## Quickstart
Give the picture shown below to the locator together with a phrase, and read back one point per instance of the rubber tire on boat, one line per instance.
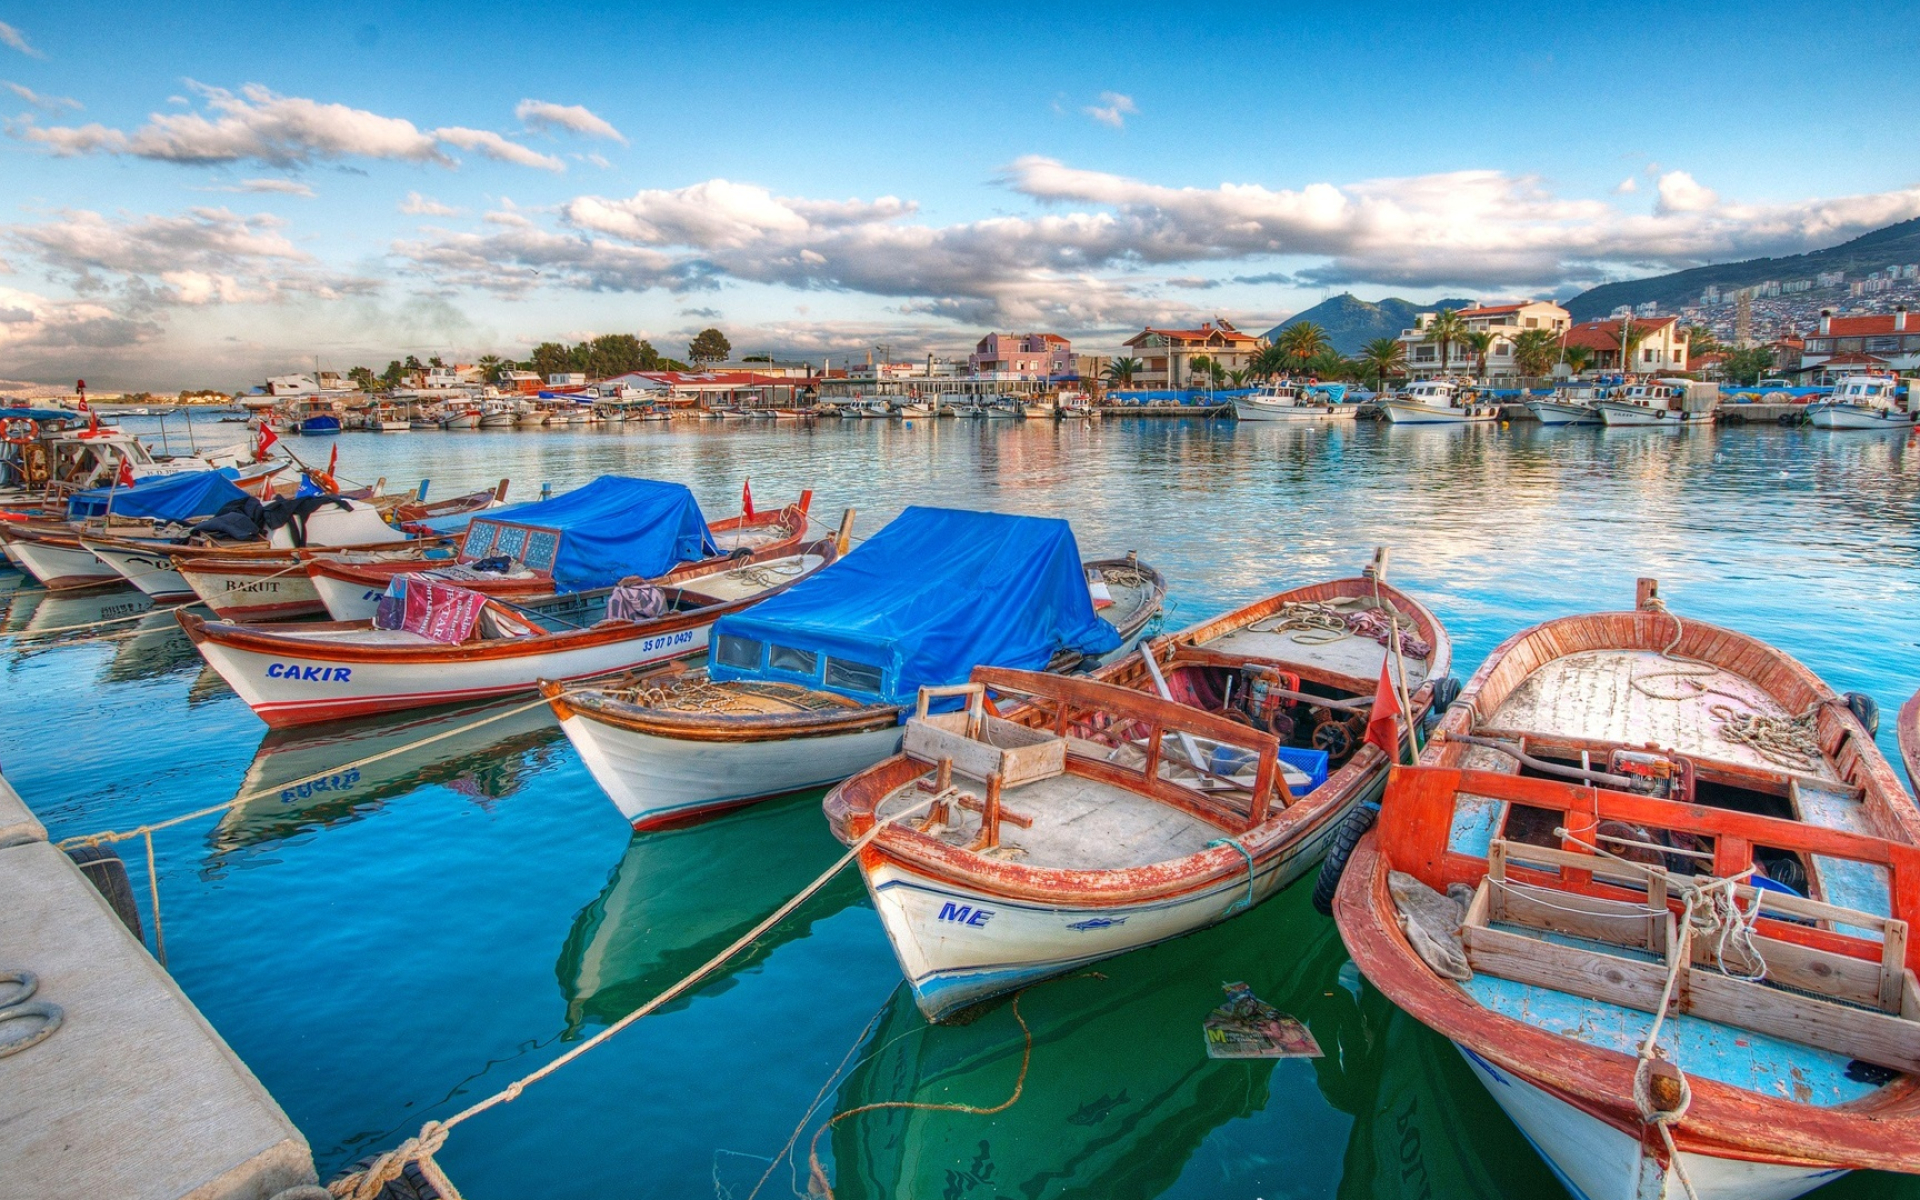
(1446, 690)
(1352, 829)
(108, 874)
(1867, 710)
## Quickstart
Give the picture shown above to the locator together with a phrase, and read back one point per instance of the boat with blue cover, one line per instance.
(812, 687)
(1172, 790)
(1655, 881)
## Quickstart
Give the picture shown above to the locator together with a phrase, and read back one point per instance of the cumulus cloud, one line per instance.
(1103, 249)
(1626, 187)
(258, 125)
(281, 187)
(13, 37)
(44, 103)
(416, 205)
(498, 148)
(32, 324)
(571, 118)
(1113, 110)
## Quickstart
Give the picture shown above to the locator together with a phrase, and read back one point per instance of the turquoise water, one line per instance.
(391, 945)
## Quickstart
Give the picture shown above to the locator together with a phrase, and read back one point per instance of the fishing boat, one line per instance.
(591, 537)
(811, 687)
(1862, 402)
(441, 644)
(114, 535)
(319, 417)
(1437, 402)
(1170, 791)
(265, 579)
(1569, 405)
(461, 415)
(1654, 880)
(1277, 401)
(1666, 402)
(1909, 738)
(498, 414)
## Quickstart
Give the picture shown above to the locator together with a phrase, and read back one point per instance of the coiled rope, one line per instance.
(1792, 743)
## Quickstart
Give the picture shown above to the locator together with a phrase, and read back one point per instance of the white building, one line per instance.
(1504, 321)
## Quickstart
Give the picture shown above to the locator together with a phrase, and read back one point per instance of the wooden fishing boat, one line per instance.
(324, 671)
(1437, 402)
(53, 554)
(1677, 949)
(350, 589)
(1909, 737)
(1179, 787)
(811, 702)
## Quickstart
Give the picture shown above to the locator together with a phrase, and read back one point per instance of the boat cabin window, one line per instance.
(788, 658)
(738, 651)
(850, 676)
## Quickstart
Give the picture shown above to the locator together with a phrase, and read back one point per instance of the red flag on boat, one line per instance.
(746, 497)
(1383, 725)
(93, 421)
(333, 461)
(267, 438)
(126, 471)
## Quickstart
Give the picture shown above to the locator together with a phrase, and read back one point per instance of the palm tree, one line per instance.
(1301, 342)
(1380, 358)
(1120, 371)
(489, 365)
(1445, 329)
(1199, 365)
(1534, 351)
(1479, 341)
(1629, 337)
(1577, 358)
(1271, 361)
(1238, 378)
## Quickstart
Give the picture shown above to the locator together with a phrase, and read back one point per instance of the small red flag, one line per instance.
(126, 471)
(333, 460)
(93, 421)
(1383, 725)
(267, 438)
(746, 497)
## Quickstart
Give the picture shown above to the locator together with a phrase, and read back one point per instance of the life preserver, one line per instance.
(324, 482)
(19, 431)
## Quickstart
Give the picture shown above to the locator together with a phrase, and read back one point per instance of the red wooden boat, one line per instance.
(1677, 952)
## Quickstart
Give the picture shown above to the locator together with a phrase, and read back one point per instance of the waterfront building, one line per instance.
(1663, 344)
(1504, 321)
(1022, 356)
(525, 383)
(1167, 354)
(1892, 338)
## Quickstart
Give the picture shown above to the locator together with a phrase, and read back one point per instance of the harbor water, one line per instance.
(397, 939)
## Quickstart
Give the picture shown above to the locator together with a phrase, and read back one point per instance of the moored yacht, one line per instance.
(1863, 402)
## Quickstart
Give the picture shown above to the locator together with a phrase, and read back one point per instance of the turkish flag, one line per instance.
(333, 460)
(126, 472)
(1383, 725)
(267, 438)
(746, 497)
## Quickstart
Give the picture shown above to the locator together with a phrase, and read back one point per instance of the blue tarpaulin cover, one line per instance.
(933, 595)
(609, 529)
(183, 496)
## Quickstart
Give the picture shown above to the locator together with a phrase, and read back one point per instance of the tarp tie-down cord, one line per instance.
(1245, 901)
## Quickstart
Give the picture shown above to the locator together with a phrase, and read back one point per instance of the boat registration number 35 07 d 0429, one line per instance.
(668, 641)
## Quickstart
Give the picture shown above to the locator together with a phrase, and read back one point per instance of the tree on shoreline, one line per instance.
(1120, 371)
(1381, 358)
(709, 346)
(1534, 351)
(1480, 342)
(1445, 329)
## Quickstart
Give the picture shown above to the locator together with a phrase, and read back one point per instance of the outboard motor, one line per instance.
(1654, 773)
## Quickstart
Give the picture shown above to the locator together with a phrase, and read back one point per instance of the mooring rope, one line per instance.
(366, 1185)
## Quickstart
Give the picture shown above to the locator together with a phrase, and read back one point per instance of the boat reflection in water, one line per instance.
(681, 895)
(1120, 1095)
(304, 779)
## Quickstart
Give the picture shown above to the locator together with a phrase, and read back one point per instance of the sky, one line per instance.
(201, 196)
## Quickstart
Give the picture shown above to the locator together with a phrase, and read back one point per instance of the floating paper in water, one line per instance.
(1248, 1027)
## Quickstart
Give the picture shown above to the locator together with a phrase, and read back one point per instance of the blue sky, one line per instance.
(201, 195)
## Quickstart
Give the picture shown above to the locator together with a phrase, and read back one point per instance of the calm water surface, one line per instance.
(412, 936)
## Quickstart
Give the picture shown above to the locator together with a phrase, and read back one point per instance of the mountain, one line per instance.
(1869, 252)
(1351, 322)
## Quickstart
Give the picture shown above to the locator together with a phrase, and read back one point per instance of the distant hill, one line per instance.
(1869, 252)
(1351, 322)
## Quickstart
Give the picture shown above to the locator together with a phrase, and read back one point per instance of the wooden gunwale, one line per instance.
(1881, 1131)
(1909, 735)
(266, 639)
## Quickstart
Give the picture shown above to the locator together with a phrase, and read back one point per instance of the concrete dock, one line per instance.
(134, 1096)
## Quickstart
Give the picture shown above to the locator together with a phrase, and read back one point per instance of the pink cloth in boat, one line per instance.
(440, 611)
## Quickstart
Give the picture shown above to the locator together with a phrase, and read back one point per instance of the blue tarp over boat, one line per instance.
(184, 496)
(609, 529)
(921, 603)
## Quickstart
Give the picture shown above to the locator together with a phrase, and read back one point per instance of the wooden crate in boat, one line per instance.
(1014, 752)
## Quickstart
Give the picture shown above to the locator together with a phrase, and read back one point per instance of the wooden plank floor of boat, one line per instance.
(1351, 655)
(1078, 824)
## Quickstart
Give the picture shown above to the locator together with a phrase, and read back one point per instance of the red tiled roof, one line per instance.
(1194, 335)
(1868, 325)
(1853, 358)
(1605, 335)
(1491, 309)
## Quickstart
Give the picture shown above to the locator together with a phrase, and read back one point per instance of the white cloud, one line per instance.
(416, 205)
(14, 38)
(44, 103)
(574, 118)
(1114, 111)
(1680, 194)
(259, 125)
(498, 148)
(31, 324)
(281, 187)
(1626, 187)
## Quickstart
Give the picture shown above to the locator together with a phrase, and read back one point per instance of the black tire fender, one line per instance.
(1866, 710)
(106, 871)
(1352, 828)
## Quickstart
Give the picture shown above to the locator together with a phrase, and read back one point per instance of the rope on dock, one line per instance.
(366, 1185)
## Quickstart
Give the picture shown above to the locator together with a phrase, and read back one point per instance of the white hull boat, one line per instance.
(149, 569)
(60, 564)
(1857, 416)
(1402, 412)
(1620, 413)
(1557, 412)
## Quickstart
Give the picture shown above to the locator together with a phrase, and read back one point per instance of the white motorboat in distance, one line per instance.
(1285, 402)
(1666, 402)
(1572, 405)
(1437, 402)
(1863, 402)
